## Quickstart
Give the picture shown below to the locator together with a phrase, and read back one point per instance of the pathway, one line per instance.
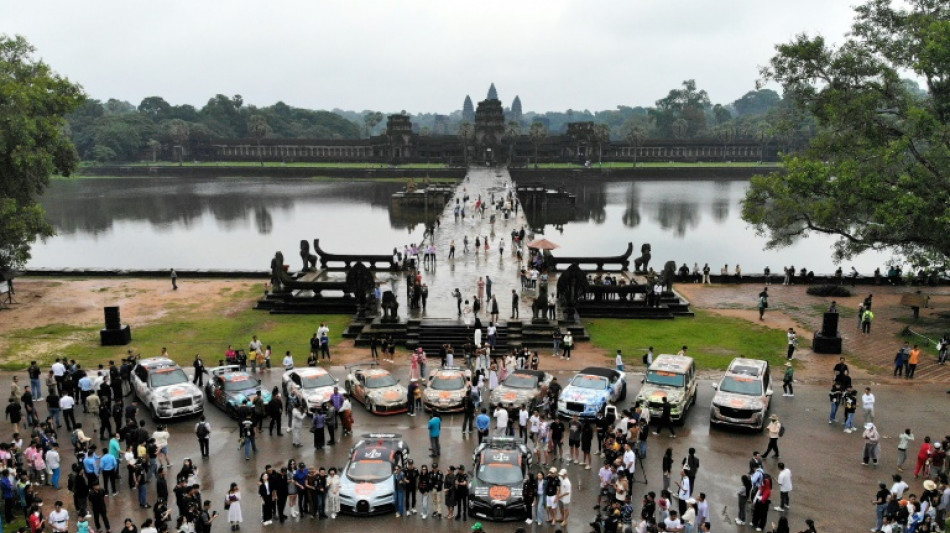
(463, 271)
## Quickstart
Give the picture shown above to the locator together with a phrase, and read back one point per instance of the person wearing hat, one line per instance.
(552, 486)
(872, 440)
(788, 379)
(564, 496)
(775, 430)
(689, 516)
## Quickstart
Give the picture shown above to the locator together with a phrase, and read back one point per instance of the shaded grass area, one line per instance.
(713, 340)
(651, 164)
(183, 333)
(268, 164)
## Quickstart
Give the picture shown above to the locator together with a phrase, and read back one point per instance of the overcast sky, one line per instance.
(421, 56)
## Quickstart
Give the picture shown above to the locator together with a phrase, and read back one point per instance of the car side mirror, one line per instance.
(715, 386)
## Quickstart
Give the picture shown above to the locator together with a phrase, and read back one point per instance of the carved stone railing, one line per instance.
(622, 261)
(346, 261)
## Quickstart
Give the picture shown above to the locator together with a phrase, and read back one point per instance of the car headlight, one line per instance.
(164, 403)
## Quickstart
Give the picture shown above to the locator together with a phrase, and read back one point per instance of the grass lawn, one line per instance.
(629, 164)
(308, 164)
(184, 334)
(713, 340)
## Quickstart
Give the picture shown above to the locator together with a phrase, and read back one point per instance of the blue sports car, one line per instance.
(590, 390)
(230, 387)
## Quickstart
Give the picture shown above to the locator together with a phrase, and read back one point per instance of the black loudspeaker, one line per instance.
(113, 320)
(829, 326)
(115, 337)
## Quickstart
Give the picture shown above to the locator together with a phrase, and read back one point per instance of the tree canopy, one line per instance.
(876, 174)
(33, 144)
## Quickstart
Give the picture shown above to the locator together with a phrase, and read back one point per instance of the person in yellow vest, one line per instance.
(866, 319)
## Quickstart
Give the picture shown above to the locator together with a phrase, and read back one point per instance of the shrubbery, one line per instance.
(829, 290)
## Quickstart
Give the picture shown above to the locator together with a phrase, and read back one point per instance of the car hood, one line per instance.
(317, 395)
(238, 397)
(582, 395)
(175, 392)
(737, 401)
(504, 394)
(388, 395)
(364, 490)
(655, 393)
(445, 396)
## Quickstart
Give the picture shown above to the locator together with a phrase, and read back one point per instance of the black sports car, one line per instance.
(501, 465)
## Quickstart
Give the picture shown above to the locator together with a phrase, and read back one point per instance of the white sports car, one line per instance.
(313, 383)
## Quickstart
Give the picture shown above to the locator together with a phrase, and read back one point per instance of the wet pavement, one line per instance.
(830, 484)
(463, 271)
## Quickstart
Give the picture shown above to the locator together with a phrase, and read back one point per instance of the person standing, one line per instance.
(203, 432)
(684, 490)
(666, 419)
(248, 433)
(867, 404)
(97, 502)
(461, 494)
(905, 439)
(174, 276)
(200, 371)
(399, 491)
(35, 372)
(792, 343)
(232, 503)
(480, 284)
(268, 496)
(784, 486)
(866, 317)
(482, 424)
(775, 431)
(568, 343)
(872, 440)
(850, 400)
(912, 362)
(514, 303)
(333, 490)
(66, 405)
(564, 496)
(763, 302)
(760, 503)
(435, 429)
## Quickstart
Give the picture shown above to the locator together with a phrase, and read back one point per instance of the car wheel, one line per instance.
(370, 407)
(230, 411)
(623, 392)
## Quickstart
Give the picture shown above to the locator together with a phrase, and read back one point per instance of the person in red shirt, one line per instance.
(36, 520)
(923, 456)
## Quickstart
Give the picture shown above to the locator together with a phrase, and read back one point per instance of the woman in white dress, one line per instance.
(493, 378)
(333, 491)
(233, 501)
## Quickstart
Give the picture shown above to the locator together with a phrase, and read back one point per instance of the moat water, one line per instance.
(238, 223)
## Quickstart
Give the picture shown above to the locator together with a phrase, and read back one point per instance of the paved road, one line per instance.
(830, 484)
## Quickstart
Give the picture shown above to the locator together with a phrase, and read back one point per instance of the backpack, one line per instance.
(74, 437)
(781, 430)
(203, 430)
(646, 360)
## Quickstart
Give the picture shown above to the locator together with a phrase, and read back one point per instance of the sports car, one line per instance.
(590, 390)
(521, 387)
(495, 492)
(313, 383)
(366, 486)
(229, 387)
(377, 390)
(446, 389)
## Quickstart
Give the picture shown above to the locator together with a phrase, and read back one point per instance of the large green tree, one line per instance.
(877, 173)
(33, 144)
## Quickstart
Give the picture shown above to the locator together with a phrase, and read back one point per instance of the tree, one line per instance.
(602, 136)
(634, 135)
(726, 135)
(154, 146)
(687, 104)
(757, 102)
(537, 133)
(679, 128)
(33, 145)
(876, 173)
(370, 120)
(721, 114)
(466, 135)
(512, 132)
(155, 108)
(258, 128)
(178, 131)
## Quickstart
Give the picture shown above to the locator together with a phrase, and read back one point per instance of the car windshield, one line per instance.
(670, 379)
(447, 382)
(164, 378)
(741, 385)
(380, 381)
(239, 383)
(369, 470)
(521, 381)
(499, 473)
(590, 382)
(317, 380)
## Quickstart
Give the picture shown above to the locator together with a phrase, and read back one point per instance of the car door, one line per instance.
(218, 391)
(359, 389)
(140, 383)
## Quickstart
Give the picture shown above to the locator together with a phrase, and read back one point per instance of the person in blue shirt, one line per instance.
(482, 423)
(399, 492)
(109, 467)
(300, 480)
(90, 464)
(85, 390)
(435, 429)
